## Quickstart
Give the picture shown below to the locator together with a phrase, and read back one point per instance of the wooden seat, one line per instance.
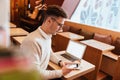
(101, 75)
(111, 65)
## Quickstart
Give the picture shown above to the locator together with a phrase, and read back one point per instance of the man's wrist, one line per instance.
(59, 62)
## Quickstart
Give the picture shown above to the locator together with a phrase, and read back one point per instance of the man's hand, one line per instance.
(63, 63)
(65, 69)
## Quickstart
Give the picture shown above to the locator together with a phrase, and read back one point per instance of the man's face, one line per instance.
(57, 25)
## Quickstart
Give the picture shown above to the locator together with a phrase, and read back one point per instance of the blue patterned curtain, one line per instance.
(99, 13)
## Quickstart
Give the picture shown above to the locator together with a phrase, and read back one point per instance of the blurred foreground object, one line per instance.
(15, 65)
(4, 22)
(3, 36)
(33, 20)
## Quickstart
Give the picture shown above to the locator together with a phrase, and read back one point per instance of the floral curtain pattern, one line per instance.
(100, 13)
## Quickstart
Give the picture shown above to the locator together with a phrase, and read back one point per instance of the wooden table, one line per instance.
(60, 40)
(18, 40)
(12, 25)
(95, 52)
(18, 32)
(86, 67)
(71, 36)
(98, 45)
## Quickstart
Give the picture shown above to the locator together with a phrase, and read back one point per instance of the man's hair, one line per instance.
(54, 10)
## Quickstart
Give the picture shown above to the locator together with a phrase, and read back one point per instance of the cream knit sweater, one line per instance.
(38, 45)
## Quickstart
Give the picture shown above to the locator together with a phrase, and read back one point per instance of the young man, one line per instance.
(38, 43)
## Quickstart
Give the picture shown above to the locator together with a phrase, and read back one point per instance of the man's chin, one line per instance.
(60, 30)
(57, 32)
(54, 33)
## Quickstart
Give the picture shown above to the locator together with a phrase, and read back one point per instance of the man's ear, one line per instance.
(49, 20)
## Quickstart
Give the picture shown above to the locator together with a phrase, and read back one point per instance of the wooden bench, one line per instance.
(93, 29)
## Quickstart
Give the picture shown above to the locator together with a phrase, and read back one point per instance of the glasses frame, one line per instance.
(59, 24)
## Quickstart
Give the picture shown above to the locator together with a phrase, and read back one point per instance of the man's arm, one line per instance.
(54, 58)
(50, 74)
(29, 47)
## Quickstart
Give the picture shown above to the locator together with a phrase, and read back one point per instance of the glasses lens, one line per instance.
(59, 24)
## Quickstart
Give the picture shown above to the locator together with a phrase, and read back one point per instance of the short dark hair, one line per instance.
(54, 10)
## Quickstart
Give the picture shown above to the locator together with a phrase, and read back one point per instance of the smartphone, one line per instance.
(72, 66)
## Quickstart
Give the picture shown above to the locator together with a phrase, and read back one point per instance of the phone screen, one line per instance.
(72, 66)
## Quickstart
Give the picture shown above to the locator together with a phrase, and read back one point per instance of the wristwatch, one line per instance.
(59, 62)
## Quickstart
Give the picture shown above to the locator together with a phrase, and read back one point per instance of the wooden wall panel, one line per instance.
(48, 2)
(51, 2)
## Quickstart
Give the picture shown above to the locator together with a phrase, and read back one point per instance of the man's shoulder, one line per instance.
(32, 38)
(35, 34)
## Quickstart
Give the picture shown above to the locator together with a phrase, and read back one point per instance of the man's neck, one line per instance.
(45, 29)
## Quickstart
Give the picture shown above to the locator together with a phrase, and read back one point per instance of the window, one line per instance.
(99, 13)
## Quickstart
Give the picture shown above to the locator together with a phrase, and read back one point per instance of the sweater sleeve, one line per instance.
(50, 74)
(54, 58)
(30, 47)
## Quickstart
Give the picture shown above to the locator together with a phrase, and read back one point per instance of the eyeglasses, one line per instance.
(59, 24)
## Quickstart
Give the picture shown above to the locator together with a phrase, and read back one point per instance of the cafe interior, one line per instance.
(92, 23)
